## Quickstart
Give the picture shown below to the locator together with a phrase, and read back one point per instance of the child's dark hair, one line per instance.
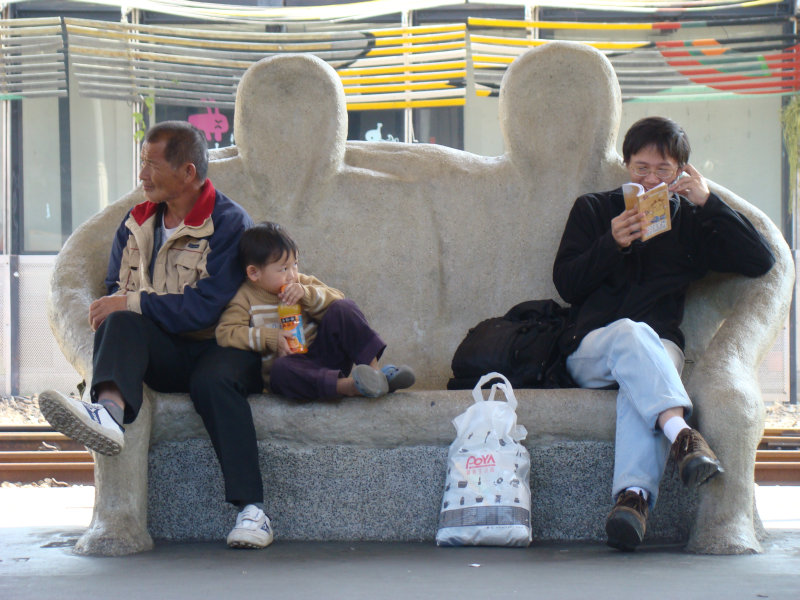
(265, 243)
(666, 135)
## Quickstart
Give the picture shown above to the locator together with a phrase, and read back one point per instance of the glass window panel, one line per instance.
(41, 169)
(443, 125)
(5, 166)
(375, 125)
(101, 140)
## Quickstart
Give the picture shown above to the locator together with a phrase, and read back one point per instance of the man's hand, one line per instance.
(292, 293)
(102, 307)
(691, 185)
(627, 227)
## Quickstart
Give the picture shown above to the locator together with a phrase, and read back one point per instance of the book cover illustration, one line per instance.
(654, 203)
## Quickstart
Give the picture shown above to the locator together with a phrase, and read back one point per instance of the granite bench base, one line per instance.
(345, 491)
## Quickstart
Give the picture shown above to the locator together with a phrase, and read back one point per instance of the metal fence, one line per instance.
(30, 358)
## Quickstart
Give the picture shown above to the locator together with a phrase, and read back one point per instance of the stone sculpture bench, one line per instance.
(428, 241)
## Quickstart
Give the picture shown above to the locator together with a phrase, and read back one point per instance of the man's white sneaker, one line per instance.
(89, 424)
(252, 530)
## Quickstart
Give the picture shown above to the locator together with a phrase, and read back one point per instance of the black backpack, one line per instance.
(523, 345)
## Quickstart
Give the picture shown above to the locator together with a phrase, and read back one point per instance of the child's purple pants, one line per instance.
(344, 338)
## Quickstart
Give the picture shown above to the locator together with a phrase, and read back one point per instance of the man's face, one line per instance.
(160, 181)
(649, 167)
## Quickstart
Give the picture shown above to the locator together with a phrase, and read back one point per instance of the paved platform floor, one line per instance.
(39, 526)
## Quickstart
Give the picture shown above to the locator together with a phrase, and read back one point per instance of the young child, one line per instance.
(336, 331)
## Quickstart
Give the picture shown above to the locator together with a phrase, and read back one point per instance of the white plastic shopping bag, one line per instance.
(487, 496)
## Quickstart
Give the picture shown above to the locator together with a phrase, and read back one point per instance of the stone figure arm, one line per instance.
(730, 241)
(588, 253)
(730, 324)
(79, 279)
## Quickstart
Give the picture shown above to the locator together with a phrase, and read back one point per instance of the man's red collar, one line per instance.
(201, 210)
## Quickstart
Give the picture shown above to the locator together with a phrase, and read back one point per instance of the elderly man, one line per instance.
(172, 270)
(627, 298)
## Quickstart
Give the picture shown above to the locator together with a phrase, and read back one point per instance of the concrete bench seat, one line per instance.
(428, 241)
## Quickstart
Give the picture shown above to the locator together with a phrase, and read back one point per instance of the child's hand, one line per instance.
(283, 344)
(292, 293)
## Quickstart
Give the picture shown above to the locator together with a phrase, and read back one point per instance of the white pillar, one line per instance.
(408, 124)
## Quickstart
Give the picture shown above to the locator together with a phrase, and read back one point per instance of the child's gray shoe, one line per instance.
(369, 382)
(399, 378)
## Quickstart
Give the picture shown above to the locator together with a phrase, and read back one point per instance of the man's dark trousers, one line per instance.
(130, 348)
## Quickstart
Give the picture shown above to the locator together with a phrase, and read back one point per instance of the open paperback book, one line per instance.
(654, 203)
